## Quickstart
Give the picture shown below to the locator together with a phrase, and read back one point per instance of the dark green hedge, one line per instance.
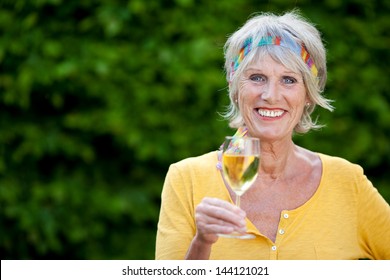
(97, 98)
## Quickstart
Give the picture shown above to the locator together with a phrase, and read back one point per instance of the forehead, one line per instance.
(276, 56)
(267, 63)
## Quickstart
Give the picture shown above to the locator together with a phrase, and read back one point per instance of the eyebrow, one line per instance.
(261, 70)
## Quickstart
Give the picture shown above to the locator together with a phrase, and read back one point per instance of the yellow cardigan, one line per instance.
(345, 219)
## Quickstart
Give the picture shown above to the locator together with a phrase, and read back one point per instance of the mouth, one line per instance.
(271, 114)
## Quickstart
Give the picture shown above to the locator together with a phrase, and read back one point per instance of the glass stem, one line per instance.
(238, 201)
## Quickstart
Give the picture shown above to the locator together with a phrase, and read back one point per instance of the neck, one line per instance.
(276, 157)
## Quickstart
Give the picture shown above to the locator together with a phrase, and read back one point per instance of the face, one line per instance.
(271, 99)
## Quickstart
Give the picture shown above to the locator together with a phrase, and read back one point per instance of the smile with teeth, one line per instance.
(270, 113)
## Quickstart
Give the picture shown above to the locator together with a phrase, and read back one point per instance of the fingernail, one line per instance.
(243, 223)
(241, 229)
(242, 214)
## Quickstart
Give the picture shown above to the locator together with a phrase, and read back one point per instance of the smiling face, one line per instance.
(271, 99)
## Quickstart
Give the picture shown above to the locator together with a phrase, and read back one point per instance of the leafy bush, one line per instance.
(99, 97)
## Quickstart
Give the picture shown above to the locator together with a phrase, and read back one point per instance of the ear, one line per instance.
(307, 101)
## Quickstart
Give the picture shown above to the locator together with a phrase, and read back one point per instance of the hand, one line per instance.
(215, 216)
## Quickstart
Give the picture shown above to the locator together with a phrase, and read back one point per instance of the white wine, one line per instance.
(240, 171)
(240, 166)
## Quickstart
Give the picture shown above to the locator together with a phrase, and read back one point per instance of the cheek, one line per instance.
(246, 102)
(299, 106)
(297, 98)
(247, 93)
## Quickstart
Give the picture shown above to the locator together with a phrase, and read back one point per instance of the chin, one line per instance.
(270, 136)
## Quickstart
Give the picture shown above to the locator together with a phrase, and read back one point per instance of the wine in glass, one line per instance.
(240, 164)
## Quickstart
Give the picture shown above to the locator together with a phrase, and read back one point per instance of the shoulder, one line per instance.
(339, 164)
(341, 171)
(205, 161)
(194, 174)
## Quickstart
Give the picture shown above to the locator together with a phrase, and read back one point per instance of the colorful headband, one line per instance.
(285, 41)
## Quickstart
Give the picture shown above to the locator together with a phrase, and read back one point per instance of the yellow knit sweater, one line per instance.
(345, 219)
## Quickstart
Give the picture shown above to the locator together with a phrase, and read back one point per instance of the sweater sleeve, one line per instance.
(176, 226)
(374, 220)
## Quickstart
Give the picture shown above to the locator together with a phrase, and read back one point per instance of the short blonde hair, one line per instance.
(304, 33)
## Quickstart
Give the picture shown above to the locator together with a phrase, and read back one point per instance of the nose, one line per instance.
(270, 93)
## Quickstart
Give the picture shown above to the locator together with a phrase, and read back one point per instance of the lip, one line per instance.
(270, 113)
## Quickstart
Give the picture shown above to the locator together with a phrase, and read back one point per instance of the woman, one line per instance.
(303, 205)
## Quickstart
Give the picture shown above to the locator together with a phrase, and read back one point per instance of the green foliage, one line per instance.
(97, 98)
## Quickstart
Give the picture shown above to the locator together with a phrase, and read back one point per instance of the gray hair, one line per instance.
(302, 32)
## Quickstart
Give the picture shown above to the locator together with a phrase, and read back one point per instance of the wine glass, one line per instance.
(240, 164)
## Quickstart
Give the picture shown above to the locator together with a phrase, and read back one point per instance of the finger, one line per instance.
(210, 220)
(224, 204)
(217, 229)
(223, 226)
(216, 212)
(220, 215)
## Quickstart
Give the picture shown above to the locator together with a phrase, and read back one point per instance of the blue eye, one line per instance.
(257, 78)
(289, 80)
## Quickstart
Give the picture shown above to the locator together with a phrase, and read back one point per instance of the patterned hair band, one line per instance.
(283, 41)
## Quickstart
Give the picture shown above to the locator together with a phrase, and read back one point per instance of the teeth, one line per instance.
(270, 113)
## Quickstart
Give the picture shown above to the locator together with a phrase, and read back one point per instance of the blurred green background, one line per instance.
(97, 98)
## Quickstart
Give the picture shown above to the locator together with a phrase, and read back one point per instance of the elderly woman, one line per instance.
(303, 204)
